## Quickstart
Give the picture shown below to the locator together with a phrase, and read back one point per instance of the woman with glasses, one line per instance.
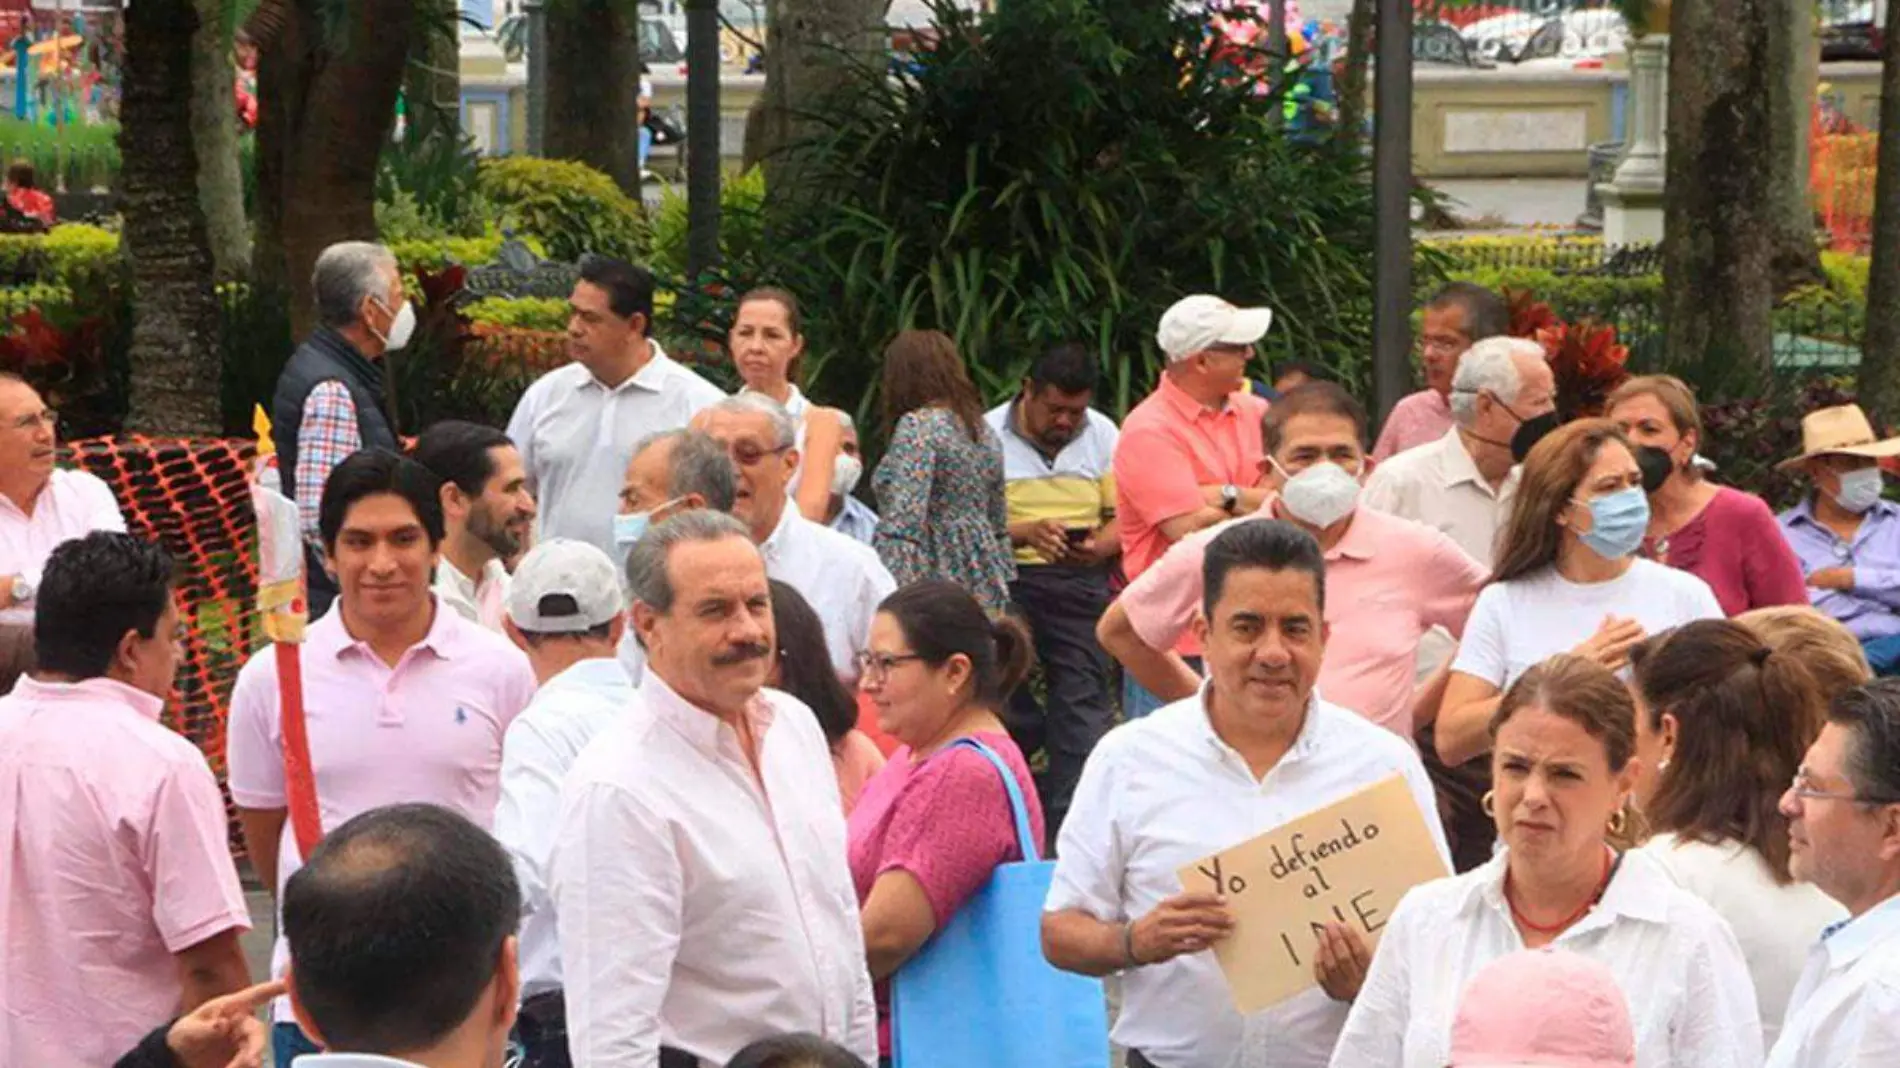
(1564, 763)
(803, 669)
(940, 483)
(1566, 579)
(1722, 721)
(931, 827)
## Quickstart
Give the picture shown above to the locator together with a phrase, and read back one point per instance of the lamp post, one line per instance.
(1392, 206)
(536, 14)
(702, 136)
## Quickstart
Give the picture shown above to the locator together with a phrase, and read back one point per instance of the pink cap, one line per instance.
(1547, 1008)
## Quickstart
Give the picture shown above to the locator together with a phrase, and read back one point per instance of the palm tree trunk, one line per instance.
(1880, 353)
(593, 112)
(809, 45)
(214, 132)
(175, 352)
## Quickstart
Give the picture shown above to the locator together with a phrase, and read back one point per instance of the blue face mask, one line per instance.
(1618, 522)
(631, 528)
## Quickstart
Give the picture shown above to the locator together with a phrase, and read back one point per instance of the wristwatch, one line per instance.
(23, 589)
(1229, 498)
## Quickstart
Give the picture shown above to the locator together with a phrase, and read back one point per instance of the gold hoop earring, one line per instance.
(1489, 803)
(1618, 822)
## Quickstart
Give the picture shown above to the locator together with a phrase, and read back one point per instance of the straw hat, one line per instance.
(1842, 431)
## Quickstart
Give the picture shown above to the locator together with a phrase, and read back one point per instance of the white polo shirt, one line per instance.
(1845, 1012)
(1439, 485)
(576, 435)
(1162, 792)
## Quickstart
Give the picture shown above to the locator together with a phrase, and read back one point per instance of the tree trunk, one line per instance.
(809, 47)
(175, 353)
(433, 83)
(593, 107)
(1719, 209)
(327, 102)
(1791, 78)
(214, 133)
(1352, 81)
(1880, 353)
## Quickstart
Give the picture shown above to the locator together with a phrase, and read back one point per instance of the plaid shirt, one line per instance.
(325, 438)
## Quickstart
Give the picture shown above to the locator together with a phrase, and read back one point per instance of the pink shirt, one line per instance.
(114, 856)
(1417, 419)
(72, 505)
(1736, 546)
(946, 820)
(856, 758)
(428, 729)
(1388, 581)
(1171, 445)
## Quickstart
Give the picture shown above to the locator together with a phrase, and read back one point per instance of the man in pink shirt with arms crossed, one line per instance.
(404, 699)
(1189, 455)
(119, 905)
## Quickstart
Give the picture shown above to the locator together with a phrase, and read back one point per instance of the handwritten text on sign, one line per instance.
(1349, 863)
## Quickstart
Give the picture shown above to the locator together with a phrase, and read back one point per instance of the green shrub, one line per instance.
(76, 251)
(437, 253)
(741, 224)
(519, 313)
(428, 186)
(571, 207)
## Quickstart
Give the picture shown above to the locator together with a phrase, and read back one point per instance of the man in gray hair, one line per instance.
(843, 579)
(699, 863)
(329, 401)
(847, 514)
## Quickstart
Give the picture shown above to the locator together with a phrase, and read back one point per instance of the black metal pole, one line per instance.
(702, 135)
(1392, 206)
(536, 12)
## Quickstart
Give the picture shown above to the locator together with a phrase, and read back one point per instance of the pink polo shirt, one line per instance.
(113, 858)
(1417, 419)
(428, 729)
(73, 505)
(1388, 581)
(1171, 445)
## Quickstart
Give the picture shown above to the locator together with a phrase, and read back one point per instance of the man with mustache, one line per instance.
(1253, 747)
(699, 876)
(487, 515)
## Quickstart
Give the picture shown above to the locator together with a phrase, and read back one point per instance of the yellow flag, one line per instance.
(260, 425)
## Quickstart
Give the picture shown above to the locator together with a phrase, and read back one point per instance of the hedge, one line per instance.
(569, 206)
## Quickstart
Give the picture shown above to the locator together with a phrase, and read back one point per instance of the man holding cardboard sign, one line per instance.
(1255, 749)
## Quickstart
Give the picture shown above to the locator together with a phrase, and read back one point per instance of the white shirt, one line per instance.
(541, 745)
(350, 1060)
(1518, 623)
(1691, 1003)
(1439, 485)
(700, 906)
(1162, 792)
(841, 577)
(73, 505)
(1845, 1012)
(577, 435)
(1774, 924)
(481, 602)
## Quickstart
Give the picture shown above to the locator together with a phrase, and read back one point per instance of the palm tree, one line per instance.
(1880, 355)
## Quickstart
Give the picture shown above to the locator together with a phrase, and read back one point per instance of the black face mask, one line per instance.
(1530, 432)
(1657, 466)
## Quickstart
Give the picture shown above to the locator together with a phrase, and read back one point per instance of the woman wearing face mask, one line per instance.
(769, 351)
(1722, 723)
(1567, 579)
(1723, 536)
(1564, 764)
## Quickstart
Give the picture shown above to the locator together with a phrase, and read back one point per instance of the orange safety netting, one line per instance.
(193, 497)
(1841, 167)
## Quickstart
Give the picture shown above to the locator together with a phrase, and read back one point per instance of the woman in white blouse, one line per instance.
(1722, 723)
(1564, 763)
(768, 348)
(1567, 579)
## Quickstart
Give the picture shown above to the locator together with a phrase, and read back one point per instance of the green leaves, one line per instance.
(572, 208)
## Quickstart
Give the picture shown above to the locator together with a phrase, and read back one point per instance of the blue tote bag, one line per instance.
(980, 995)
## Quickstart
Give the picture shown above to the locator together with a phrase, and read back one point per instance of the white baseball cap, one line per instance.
(564, 587)
(1200, 322)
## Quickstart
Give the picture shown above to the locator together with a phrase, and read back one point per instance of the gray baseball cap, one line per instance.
(565, 587)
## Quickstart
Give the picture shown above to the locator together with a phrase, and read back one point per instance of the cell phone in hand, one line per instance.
(1078, 535)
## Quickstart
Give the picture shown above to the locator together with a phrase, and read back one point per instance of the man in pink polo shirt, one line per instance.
(40, 507)
(405, 700)
(118, 900)
(1460, 315)
(1388, 580)
(1189, 454)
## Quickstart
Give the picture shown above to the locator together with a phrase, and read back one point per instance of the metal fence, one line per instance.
(1516, 31)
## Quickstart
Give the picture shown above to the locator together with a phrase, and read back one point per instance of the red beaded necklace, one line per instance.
(1526, 922)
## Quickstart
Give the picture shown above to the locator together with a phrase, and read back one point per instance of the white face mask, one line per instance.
(1321, 495)
(401, 328)
(846, 470)
(1860, 490)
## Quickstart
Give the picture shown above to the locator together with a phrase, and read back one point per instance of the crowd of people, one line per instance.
(638, 738)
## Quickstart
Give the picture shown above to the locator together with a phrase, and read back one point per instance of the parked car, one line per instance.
(1852, 29)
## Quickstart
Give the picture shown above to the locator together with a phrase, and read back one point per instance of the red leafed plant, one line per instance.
(66, 364)
(1584, 357)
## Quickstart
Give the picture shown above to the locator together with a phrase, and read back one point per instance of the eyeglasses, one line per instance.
(46, 417)
(750, 457)
(1803, 788)
(877, 666)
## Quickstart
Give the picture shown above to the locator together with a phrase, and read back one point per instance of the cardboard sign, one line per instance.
(1349, 862)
